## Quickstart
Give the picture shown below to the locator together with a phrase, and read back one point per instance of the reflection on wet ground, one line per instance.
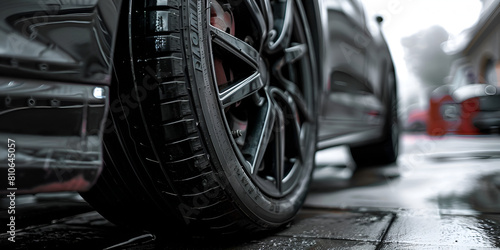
(443, 192)
(467, 155)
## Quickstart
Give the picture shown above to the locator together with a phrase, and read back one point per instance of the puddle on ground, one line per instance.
(464, 156)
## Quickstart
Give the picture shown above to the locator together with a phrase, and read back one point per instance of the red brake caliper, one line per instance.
(222, 20)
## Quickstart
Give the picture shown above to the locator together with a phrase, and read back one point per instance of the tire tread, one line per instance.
(177, 182)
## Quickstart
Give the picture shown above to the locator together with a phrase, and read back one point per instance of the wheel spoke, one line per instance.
(279, 142)
(266, 8)
(246, 53)
(292, 121)
(279, 38)
(264, 137)
(294, 53)
(299, 100)
(295, 125)
(258, 17)
(241, 90)
(236, 47)
(259, 136)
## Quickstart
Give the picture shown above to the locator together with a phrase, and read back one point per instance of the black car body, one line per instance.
(356, 64)
(55, 70)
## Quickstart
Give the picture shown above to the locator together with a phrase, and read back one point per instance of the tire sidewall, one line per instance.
(391, 148)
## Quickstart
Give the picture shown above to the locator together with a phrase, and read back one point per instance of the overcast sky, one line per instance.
(403, 18)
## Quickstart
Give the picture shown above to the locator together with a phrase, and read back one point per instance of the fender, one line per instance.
(63, 40)
(55, 62)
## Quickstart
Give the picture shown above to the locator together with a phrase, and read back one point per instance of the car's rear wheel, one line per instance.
(212, 123)
(386, 150)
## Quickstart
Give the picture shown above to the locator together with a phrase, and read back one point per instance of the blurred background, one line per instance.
(435, 42)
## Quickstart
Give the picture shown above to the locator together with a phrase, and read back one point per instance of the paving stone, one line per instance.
(306, 243)
(83, 231)
(407, 246)
(341, 225)
(446, 230)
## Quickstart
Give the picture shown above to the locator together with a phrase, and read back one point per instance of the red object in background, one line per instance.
(469, 109)
(436, 124)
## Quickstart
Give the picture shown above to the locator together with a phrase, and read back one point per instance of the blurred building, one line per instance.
(479, 46)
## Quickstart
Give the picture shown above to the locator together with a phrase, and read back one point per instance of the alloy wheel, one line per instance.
(265, 87)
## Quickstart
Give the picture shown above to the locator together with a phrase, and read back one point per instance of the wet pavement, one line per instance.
(444, 192)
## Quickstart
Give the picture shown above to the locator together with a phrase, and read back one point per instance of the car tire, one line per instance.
(175, 158)
(385, 151)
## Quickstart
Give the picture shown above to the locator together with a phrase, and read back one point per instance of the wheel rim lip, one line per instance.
(293, 175)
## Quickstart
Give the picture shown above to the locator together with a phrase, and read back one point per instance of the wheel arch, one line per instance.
(316, 17)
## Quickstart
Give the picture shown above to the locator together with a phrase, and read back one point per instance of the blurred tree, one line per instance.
(425, 58)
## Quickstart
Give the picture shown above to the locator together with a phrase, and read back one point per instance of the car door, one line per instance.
(348, 93)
